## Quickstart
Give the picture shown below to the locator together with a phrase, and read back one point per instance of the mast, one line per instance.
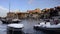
(9, 6)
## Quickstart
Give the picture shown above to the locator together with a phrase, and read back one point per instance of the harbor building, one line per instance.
(22, 15)
(11, 15)
(34, 13)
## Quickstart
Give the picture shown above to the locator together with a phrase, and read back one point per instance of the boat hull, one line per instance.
(8, 22)
(16, 21)
(47, 29)
(5, 22)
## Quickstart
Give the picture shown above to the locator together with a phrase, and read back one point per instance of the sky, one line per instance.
(24, 5)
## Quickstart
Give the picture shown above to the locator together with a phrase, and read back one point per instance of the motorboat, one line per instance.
(14, 25)
(48, 27)
(8, 21)
(15, 28)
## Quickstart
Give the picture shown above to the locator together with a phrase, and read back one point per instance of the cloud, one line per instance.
(30, 1)
(3, 11)
(1, 7)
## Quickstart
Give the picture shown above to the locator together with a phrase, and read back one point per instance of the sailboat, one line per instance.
(10, 20)
(16, 20)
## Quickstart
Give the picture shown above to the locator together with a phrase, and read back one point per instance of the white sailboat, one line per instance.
(16, 20)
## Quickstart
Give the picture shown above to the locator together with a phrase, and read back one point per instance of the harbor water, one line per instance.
(28, 27)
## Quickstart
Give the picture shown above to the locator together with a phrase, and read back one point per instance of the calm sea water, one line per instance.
(28, 27)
